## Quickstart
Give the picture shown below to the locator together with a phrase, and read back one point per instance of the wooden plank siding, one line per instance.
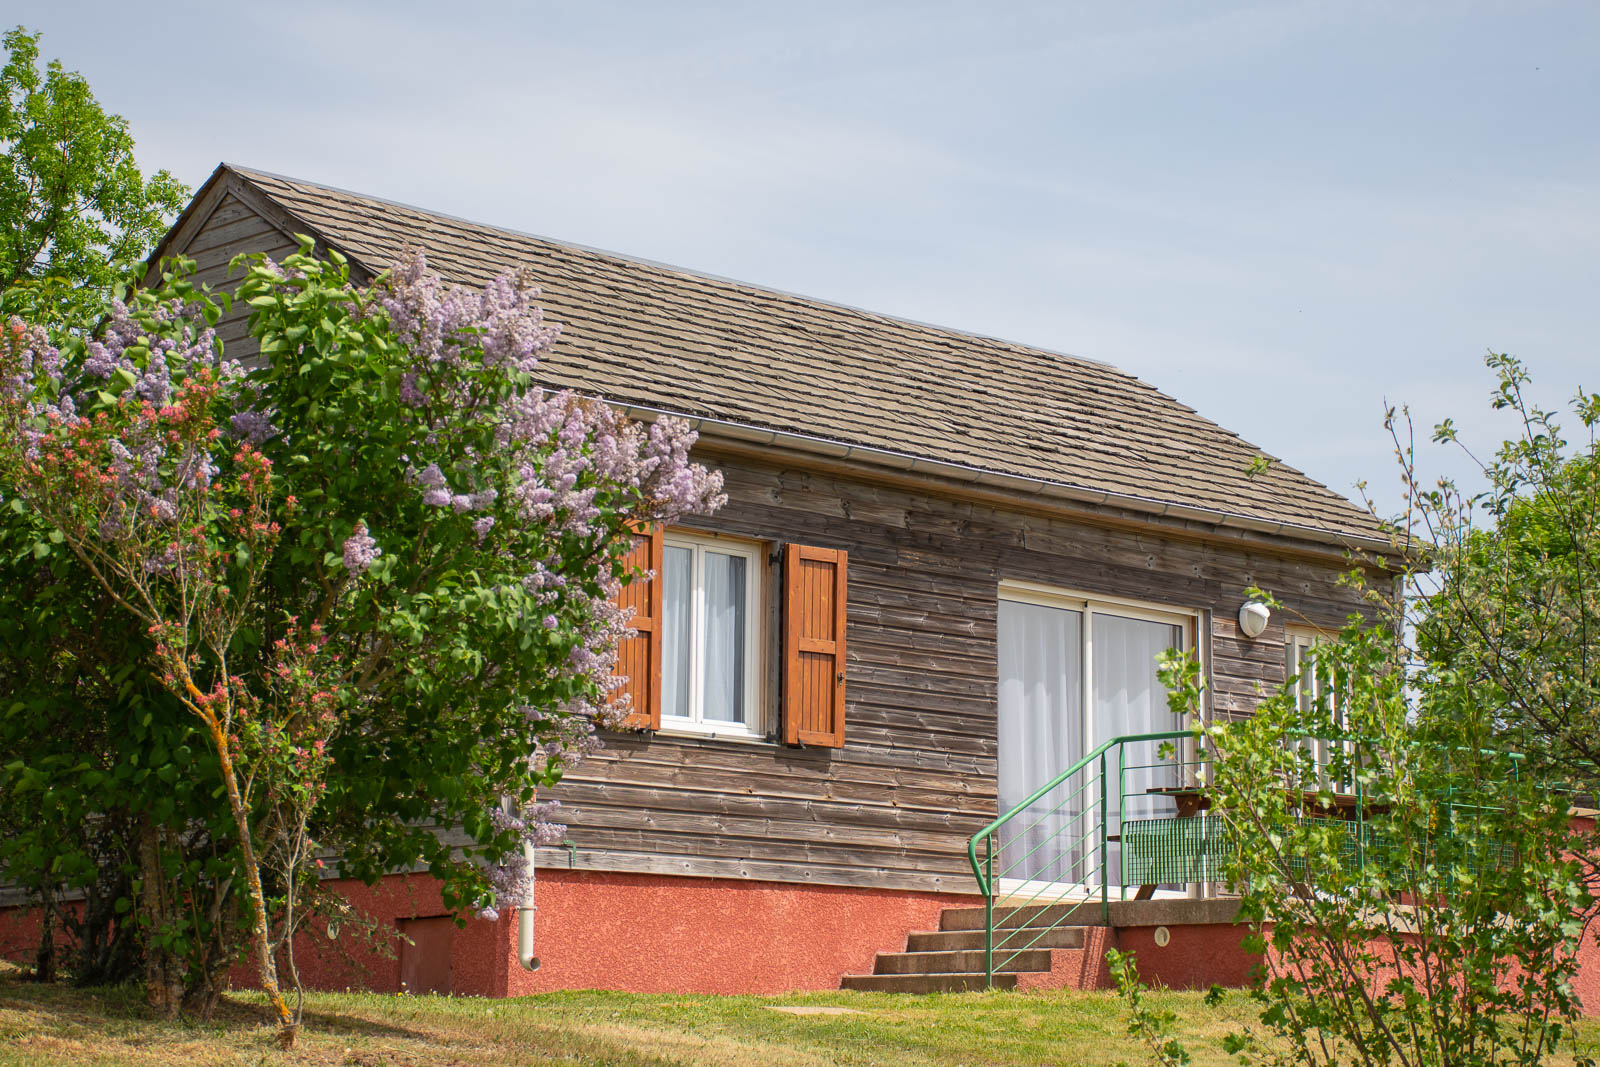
(917, 773)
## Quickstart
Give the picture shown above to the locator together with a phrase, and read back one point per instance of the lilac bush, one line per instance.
(137, 481)
(513, 460)
(384, 560)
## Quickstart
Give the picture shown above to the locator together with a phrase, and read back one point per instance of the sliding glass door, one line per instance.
(1073, 673)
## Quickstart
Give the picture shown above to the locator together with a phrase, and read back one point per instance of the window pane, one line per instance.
(1130, 699)
(1041, 731)
(677, 579)
(726, 618)
(1299, 662)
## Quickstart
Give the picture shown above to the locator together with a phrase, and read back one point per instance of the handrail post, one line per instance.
(1105, 889)
(988, 914)
(1122, 807)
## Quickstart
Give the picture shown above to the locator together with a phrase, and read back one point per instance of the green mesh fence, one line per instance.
(1174, 850)
(1177, 851)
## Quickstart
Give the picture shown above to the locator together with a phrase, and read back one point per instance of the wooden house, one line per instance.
(945, 567)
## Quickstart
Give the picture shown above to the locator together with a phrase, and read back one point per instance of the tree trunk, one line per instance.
(106, 947)
(44, 961)
(204, 993)
(266, 966)
(208, 974)
(162, 975)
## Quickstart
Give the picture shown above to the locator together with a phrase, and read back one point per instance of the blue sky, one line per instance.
(1282, 214)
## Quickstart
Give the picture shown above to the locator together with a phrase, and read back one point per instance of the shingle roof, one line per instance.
(661, 337)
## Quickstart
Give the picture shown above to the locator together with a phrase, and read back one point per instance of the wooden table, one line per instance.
(1192, 800)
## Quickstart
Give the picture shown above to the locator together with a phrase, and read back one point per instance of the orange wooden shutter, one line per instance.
(639, 656)
(813, 646)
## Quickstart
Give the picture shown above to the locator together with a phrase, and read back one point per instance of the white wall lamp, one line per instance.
(1253, 619)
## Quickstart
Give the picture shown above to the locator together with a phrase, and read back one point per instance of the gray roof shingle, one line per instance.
(660, 337)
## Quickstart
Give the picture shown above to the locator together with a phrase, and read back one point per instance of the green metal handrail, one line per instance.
(987, 877)
(1038, 794)
(1091, 845)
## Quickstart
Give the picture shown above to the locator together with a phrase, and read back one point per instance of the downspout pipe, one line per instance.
(525, 915)
(526, 907)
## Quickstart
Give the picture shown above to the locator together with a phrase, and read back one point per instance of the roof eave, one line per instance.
(744, 433)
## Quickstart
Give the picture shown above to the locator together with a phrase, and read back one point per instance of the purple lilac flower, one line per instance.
(253, 426)
(100, 362)
(409, 393)
(360, 550)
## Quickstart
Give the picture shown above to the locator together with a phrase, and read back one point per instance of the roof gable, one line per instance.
(663, 338)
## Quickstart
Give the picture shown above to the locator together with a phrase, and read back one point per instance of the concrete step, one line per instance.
(953, 940)
(925, 983)
(1086, 913)
(1033, 959)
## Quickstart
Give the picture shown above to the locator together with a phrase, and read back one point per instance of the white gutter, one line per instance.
(904, 461)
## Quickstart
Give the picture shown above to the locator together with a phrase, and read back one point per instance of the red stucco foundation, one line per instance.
(640, 933)
(662, 934)
(637, 933)
(1195, 956)
(666, 934)
(20, 929)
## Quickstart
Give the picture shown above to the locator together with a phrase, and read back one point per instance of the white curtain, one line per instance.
(677, 579)
(1041, 734)
(725, 607)
(1130, 699)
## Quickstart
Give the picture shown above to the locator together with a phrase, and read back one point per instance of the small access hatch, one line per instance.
(425, 954)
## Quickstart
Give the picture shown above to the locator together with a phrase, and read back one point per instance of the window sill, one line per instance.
(701, 732)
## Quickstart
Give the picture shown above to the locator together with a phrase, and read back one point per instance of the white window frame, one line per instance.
(1087, 604)
(1296, 638)
(754, 726)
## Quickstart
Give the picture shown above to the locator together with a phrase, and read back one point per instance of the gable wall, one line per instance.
(221, 230)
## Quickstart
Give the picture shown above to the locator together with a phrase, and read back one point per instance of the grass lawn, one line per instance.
(60, 1025)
